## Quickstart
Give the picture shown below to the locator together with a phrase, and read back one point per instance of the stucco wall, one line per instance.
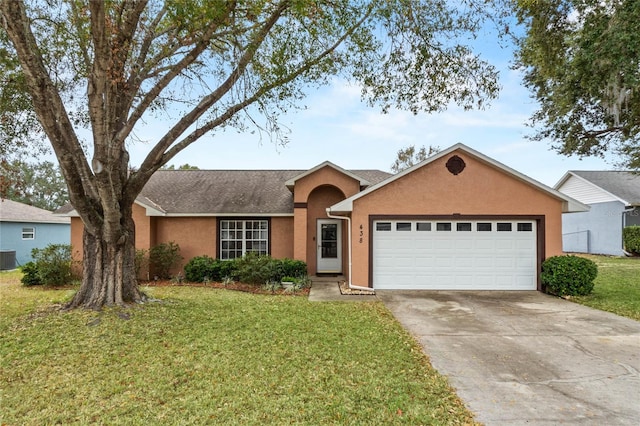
(144, 228)
(282, 237)
(45, 234)
(480, 189)
(597, 231)
(77, 228)
(196, 236)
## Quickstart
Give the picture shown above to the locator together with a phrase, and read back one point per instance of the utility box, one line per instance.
(7, 260)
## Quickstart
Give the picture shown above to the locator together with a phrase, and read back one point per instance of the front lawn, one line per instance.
(208, 356)
(617, 287)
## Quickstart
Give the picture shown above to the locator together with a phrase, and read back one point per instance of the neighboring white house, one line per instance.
(614, 198)
(24, 227)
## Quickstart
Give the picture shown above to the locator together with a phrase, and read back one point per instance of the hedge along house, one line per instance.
(458, 220)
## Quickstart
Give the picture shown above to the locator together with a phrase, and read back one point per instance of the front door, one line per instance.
(329, 238)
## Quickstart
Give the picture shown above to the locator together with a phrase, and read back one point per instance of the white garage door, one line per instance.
(454, 255)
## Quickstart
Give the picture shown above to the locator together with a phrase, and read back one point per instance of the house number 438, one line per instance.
(361, 233)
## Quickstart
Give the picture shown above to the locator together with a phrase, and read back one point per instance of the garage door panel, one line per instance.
(457, 259)
(463, 244)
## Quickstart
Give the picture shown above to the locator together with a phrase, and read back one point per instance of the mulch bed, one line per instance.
(247, 288)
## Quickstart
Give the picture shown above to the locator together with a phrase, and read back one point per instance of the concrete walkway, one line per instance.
(519, 358)
(327, 289)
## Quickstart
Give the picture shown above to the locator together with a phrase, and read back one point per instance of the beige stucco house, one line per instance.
(458, 220)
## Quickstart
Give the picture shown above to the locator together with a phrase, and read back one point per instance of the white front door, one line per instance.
(329, 247)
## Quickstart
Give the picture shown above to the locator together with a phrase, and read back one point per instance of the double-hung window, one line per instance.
(239, 237)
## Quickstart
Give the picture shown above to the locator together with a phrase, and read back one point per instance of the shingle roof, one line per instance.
(12, 211)
(220, 191)
(227, 191)
(624, 185)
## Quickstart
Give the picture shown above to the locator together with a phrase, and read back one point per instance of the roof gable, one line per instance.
(569, 204)
(291, 182)
(601, 186)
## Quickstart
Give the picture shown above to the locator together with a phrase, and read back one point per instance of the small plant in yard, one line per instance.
(30, 277)
(272, 285)
(568, 275)
(163, 257)
(227, 281)
(51, 265)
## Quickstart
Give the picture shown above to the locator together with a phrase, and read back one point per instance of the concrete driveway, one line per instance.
(526, 357)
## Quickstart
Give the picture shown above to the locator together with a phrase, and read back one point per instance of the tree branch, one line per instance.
(51, 112)
(153, 162)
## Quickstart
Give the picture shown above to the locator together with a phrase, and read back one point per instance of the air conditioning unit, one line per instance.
(7, 260)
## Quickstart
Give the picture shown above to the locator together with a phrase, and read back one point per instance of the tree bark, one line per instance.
(109, 274)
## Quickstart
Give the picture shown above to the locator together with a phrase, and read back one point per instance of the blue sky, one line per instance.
(337, 126)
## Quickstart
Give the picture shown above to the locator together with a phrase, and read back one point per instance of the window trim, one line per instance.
(244, 221)
(26, 232)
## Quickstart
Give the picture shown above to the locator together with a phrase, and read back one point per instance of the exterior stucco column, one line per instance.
(300, 233)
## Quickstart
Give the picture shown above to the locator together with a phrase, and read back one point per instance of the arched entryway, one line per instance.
(327, 243)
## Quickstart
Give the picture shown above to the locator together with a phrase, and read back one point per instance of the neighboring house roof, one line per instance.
(569, 204)
(13, 211)
(602, 186)
(226, 192)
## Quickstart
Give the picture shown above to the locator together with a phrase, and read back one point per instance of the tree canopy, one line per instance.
(581, 60)
(96, 71)
(408, 157)
(36, 184)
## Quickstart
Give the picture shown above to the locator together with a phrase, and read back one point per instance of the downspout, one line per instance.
(348, 219)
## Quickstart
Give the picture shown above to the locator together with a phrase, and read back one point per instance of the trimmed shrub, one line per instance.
(200, 268)
(30, 274)
(250, 269)
(568, 275)
(255, 269)
(293, 268)
(631, 239)
(163, 257)
(51, 265)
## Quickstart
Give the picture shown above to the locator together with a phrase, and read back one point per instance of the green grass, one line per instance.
(617, 287)
(205, 356)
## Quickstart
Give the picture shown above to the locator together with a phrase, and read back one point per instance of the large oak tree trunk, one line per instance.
(109, 273)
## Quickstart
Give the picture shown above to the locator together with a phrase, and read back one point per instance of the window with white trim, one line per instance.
(28, 233)
(239, 237)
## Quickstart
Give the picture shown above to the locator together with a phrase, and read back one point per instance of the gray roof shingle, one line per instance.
(248, 192)
(12, 211)
(624, 185)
